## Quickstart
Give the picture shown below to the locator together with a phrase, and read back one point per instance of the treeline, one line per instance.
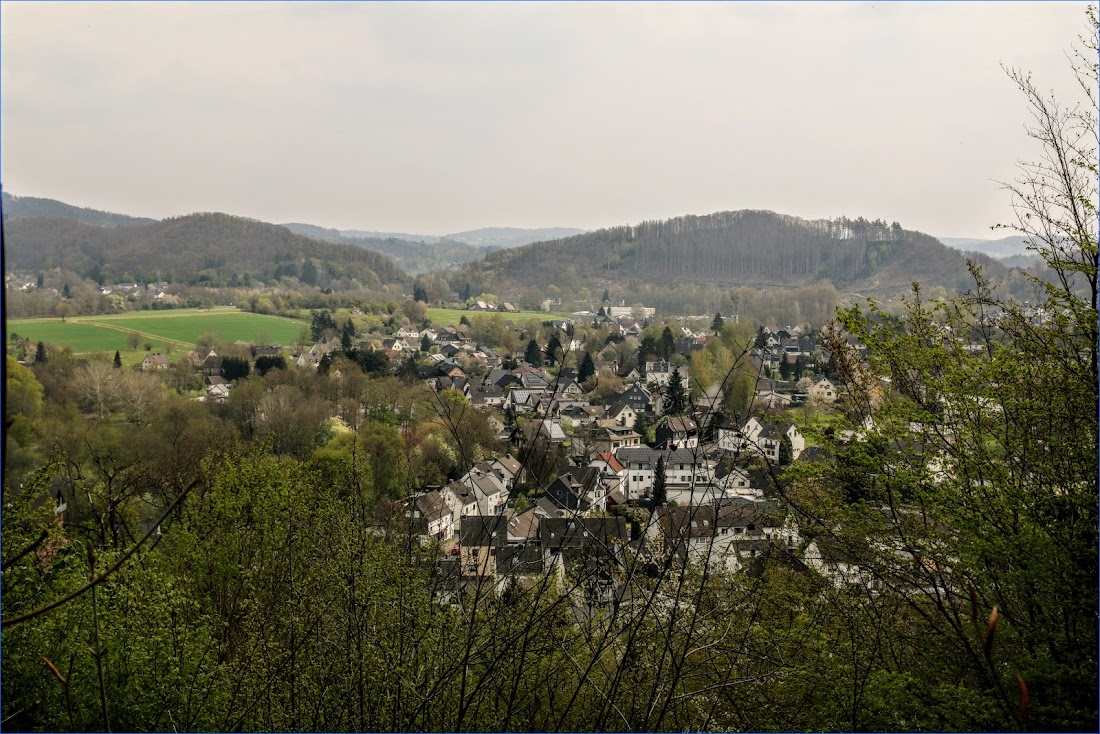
(200, 249)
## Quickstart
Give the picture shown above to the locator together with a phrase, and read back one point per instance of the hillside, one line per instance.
(755, 248)
(197, 248)
(22, 207)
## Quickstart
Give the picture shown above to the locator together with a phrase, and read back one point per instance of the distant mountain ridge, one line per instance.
(23, 207)
(998, 248)
(422, 253)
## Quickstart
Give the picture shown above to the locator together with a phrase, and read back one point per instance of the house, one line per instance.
(609, 466)
(607, 435)
(430, 516)
(461, 499)
(659, 373)
(832, 560)
(638, 398)
(575, 539)
(622, 413)
(685, 470)
(489, 491)
(677, 432)
(727, 534)
(579, 491)
(478, 540)
(508, 470)
(822, 390)
(155, 362)
(217, 393)
(761, 438)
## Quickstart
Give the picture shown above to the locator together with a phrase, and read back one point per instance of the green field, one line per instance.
(181, 328)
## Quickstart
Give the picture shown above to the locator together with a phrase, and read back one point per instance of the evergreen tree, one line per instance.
(716, 325)
(419, 294)
(425, 344)
(345, 341)
(606, 296)
(118, 359)
(65, 292)
(309, 273)
(40, 355)
(660, 489)
(464, 321)
(235, 368)
(40, 281)
(786, 451)
(587, 368)
(666, 345)
(554, 350)
(647, 348)
(533, 355)
(761, 338)
(466, 293)
(677, 402)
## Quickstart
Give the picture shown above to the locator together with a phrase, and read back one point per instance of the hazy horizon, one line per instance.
(439, 118)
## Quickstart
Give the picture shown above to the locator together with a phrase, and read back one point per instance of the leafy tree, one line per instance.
(118, 359)
(133, 339)
(660, 488)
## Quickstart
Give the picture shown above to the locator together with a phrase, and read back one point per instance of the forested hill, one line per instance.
(738, 247)
(197, 248)
(22, 207)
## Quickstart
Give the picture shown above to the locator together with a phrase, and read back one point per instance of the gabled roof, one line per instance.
(609, 458)
(510, 463)
(582, 532)
(431, 504)
(483, 530)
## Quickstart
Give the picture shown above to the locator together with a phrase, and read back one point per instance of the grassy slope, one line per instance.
(181, 328)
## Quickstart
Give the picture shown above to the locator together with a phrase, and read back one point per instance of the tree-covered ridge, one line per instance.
(192, 248)
(22, 207)
(743, 247)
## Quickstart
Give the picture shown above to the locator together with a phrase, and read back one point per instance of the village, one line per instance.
(655, 468)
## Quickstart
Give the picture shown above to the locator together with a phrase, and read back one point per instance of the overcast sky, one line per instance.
(435, 118)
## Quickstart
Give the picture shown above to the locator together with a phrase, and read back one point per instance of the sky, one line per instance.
(433, 118)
